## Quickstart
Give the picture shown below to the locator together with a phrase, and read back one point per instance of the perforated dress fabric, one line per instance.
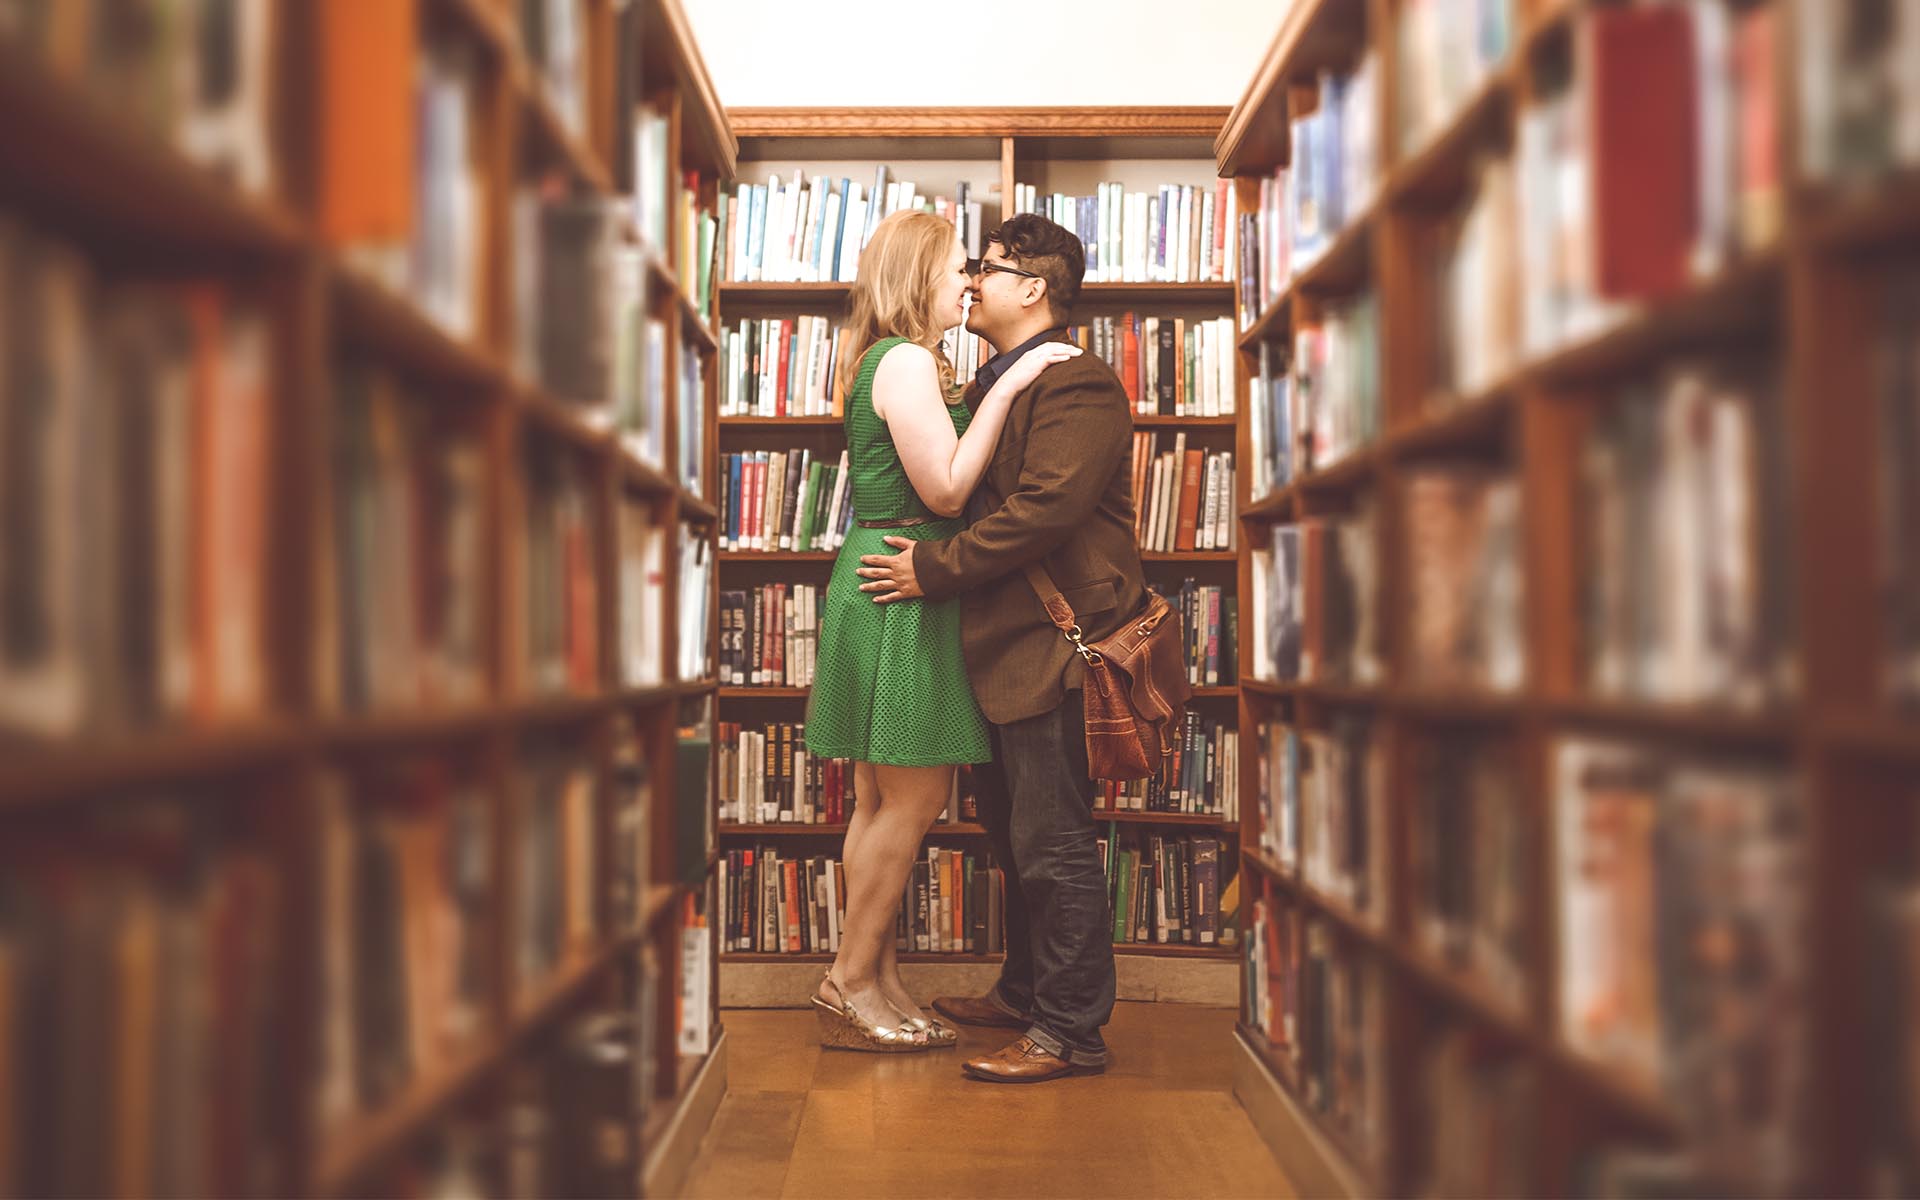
(890, 685)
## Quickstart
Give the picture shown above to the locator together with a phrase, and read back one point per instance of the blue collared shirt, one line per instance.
(991, 371)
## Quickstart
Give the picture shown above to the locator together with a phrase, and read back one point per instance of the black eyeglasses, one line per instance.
(981, 266)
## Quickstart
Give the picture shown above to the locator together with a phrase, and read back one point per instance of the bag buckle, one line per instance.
(1074, 635)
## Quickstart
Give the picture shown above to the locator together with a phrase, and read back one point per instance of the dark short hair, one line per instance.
(1050, 251)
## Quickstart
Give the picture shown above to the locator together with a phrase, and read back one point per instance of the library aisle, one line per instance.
(425, 460)
(801, 1121)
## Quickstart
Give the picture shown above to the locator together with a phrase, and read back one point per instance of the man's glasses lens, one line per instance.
(980, 266)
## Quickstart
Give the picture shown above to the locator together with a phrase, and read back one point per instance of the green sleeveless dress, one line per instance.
(889, 684)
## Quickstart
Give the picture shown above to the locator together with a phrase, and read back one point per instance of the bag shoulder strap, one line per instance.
(1058, 610)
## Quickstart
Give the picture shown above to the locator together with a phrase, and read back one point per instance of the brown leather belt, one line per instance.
(896, 523)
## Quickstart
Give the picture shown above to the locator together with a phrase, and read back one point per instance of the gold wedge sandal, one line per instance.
(843, 1028)
(939, 1036)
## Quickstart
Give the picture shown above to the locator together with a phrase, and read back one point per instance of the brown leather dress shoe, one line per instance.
(1024, 1061)
(977, 1010)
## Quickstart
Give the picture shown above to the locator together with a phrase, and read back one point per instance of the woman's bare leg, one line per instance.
(878, 862)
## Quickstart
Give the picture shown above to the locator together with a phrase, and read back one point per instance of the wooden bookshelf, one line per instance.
(1805, 299)
(81, 172)
(1060, 150)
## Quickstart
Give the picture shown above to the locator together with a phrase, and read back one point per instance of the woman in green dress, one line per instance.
(890, 690)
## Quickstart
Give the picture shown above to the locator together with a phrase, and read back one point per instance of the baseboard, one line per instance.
(1140, 977)
(666, 1163)
(1312, 1165)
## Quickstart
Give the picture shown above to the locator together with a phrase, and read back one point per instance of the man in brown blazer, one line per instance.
(1058, 492)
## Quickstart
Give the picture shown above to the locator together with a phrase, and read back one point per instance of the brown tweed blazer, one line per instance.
(1059, 490)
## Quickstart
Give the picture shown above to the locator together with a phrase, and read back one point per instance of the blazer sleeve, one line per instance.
(1079, 437)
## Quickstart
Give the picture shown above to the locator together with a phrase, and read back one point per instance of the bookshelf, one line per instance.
(1382, 1041)
(364, 632)
(1069, 151)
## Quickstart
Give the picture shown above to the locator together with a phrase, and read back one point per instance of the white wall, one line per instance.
(833, 53)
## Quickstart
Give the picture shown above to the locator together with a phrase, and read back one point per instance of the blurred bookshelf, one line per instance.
(826, 176)
(357, 695)
(1578, 571)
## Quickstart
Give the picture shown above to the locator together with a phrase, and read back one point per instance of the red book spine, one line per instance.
(1640, 64)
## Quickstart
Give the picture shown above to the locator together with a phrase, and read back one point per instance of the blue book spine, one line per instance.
(757, 230)
(839, 231)
(734, 465)
(819, 223)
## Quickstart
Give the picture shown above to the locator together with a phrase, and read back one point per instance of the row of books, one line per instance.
(1204, 779)
(812, 231)
(578, 300)
(563, 1118)
(553, 37)
(588, 333)
(409, 515)
(1210, 617)
(559, 643)
(776, 904)
(1443, 50)
(670, 219)
(404, 859)
(1318, 1003)
(199, 81)
(1480, 1106)
(1177, 233)
(421, 235)
(1465, 581)
(770, 635)
(1165, 890)
(1891, 987)
(790, 367)
(1183, 498)
(1477, 298)
(136, 594)
(1897, 382)
(697, 658)
(1315, 602)
(641, 545)
(776, 500)
(767, 776)
(1328, 182)
(1683, 885)
(1688, 591)
(1170, 366)
(774, 367)
(1470, 858)
(1322, 402)
(1336, 383)
(1859, 91)
(1322, 796)
(139, 996)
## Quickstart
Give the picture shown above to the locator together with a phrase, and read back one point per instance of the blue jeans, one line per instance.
(1037, 805)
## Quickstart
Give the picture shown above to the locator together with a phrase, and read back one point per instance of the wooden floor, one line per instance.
(802, 1121)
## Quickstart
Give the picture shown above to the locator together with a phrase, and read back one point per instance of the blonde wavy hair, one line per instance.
(893, 294)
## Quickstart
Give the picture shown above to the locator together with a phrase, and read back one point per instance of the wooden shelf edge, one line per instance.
(1318, 1158)
(79, 150)
(773, 423)
(756, 958)
(1183, 950)
(799, 829)
(1191, 820)
(1157, 121)
(1886, 736)
(37, 775)
(390, 325)
(566, 144)
(373, 1137)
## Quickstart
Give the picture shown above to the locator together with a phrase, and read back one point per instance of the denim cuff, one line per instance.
(1044, 1039)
